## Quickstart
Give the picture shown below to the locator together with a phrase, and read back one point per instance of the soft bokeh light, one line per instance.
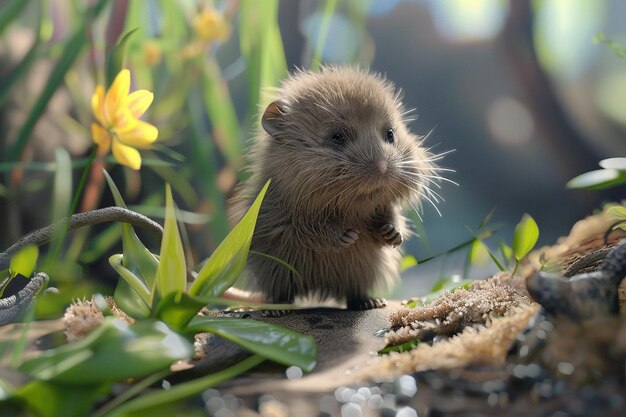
(564, 30)
(510, 122)
(468, 20)
(342, 39)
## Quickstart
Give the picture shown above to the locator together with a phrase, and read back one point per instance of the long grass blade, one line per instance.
(71, 51)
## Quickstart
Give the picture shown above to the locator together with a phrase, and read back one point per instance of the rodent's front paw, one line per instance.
(391, 235)
(349, 238)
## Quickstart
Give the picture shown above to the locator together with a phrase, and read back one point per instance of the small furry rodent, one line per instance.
(342, 164)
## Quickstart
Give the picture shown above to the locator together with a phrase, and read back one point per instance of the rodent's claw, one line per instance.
(349, 238)
(391, 235)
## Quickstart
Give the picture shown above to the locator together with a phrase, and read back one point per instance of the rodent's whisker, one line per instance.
(425, 137)
(434, 194)
(441, 169)
(431, 178)
(432, 203)
(428, 178)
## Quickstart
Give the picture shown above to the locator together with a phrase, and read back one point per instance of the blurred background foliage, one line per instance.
(517, 88)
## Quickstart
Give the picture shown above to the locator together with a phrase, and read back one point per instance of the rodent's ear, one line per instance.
(273, 115)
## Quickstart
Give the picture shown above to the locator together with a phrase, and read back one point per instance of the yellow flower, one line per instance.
(210, 26)
(118, 126)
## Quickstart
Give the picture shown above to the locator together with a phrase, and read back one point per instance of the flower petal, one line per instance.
(97, 103)
(138, 102)
(141, 136)
(125, 122)
(101, 137)
(116, 97)
(126, 155)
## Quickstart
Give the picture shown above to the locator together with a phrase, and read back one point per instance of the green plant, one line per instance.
(153, 291)
(612, 174)
(525, 238)
(618, 49)
(22, 263)
(619, 214)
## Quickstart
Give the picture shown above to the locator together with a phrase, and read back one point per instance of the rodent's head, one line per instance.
(340, 135)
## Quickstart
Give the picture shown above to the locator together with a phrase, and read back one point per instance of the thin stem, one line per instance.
(131, 392)
(329, 9)
(75, 199)
(179, 392)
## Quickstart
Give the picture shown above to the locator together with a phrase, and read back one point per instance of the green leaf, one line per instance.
(46, 399)
(524, 237)
(262, 49)
(329, 9)
(221, 112)
(403, 347)
(153, 403)
(177, 309)
(71, 50)
(614, 163)
(618, 49)
(24, 261)
(115, 60)
(229, 259)
(408, 261)
(479, 253)
(9, 12)
(617, 212)
(62, 194)
(138, 260)
(114, 351)
(171, 275)
(598, 179)
(204, 160)
(273, 342)
(10, 78)
(136, 283)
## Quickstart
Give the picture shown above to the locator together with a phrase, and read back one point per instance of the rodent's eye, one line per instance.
(339, 138)
(389, 136)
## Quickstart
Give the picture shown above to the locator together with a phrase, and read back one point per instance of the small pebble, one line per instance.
(231, 402)
(389, 401)
(351, 410)
(565, 368)
(343, 394)
(406, 412)
(375, 401)
(294, 372)
(364, 391)
(213, 404)
(224, 412)
(406, 386)
(357, 399)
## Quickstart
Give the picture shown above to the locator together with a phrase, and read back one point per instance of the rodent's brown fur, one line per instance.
(332, 210)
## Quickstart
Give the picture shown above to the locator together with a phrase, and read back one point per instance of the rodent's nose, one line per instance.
(381, 166)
